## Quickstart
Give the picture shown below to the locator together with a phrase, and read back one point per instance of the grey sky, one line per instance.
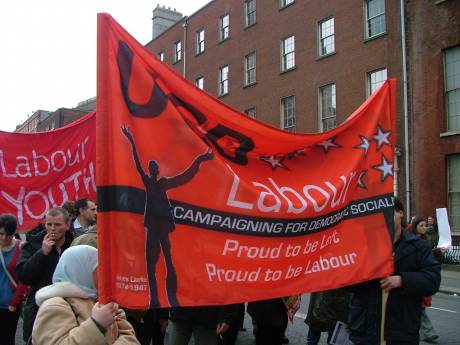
(48, 50)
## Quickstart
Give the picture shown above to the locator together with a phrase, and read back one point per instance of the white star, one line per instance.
(273, 161)
(386, 168)
(361, 183)
(382, 138)
(328, 144)
(365, 144)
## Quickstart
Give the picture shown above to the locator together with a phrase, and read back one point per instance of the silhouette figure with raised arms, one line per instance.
(159, 218)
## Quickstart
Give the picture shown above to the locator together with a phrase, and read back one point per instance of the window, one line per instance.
(161, 56)
(251, 112)
(177, 51)
(326, 37)
(284, 3)
(375, 17)
(452, 87)
(250, 69)
(200, 41)
(250, 12)
(223, 80)
(375, 79)
(287, 53)
(224, 27)
(453, 190)
(327, 107)
(199, 82)
(288, 113)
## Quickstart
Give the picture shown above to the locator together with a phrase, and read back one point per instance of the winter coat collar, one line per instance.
(61, 289)
(406, 245)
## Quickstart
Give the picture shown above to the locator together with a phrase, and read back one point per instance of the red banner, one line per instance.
(43, 170)
(202, 205)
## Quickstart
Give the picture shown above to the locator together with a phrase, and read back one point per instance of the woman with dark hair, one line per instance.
(419, 227)
(11, 291)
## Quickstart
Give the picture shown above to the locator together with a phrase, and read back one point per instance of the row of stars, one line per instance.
(381, 137)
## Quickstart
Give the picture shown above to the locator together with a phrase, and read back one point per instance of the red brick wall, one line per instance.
(432, 28)
(347, 67)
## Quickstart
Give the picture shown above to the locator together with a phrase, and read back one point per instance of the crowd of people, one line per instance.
(50, 280)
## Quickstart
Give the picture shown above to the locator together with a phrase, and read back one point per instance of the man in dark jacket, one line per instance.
(39, 257)
(416, 274)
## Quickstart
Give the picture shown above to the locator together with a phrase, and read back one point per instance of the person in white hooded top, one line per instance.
(69, 312)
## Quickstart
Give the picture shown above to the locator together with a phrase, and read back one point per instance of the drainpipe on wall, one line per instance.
(406, 113)
(396, 172)
(185, 26)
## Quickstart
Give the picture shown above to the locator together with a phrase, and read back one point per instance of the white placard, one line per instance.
(445, 237)
(341, 334)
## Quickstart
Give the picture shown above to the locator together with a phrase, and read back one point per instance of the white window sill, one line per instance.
(449, 134)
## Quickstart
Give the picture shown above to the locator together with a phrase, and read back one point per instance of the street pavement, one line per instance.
(444, 314)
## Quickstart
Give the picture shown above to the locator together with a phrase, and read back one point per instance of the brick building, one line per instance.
(31, 124)
(43, 120)
(305, 66)
(59, 118)
(433, 60)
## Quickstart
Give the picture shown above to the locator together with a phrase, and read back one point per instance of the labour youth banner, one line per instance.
(43, 170)
(202, 205)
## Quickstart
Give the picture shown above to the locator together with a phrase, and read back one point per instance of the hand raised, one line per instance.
(47, 244)
(127, 132)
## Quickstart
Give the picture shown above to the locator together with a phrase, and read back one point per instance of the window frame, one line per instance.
(197, 82)
(369, 74)
(199, 42)
(284, 55)
(222, 28)
(448, 92)
(284, 3)
(223, 86)
(248, 70)
(161, 56)
(454, 210)
(293, 127)
(248, 15)
(249, 111)
(321, 38)
(323, 119)
(177, 53)
(367, 21)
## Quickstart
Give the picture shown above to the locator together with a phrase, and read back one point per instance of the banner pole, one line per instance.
(382, 322)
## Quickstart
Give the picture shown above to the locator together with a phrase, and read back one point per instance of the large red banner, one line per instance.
(202, 205)
(43, 170)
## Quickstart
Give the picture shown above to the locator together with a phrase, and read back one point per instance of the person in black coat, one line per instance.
(39, 257)
(271, 319)
(416, 274)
